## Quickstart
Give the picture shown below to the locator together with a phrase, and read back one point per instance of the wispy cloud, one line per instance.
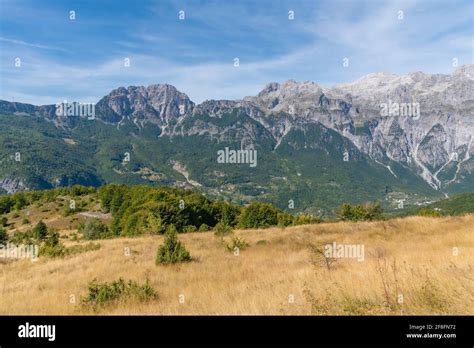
(196, 55)
(34, 45)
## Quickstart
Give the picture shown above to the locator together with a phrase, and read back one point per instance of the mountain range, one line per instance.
(398, 140)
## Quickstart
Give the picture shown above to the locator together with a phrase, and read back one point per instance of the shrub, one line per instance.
(258, 215)
(190, 228)
(172, 251)
(154, 224)
(25, 221)
(284, 219)
(40, 231)
(304, 219)
(52, 247)
(263, 242)
(82, 248)
(6, 204)
(204, 228)
(236, 244)
(4, 221)
(100, 294)
(359, 212)
(3, 237)
(94, 229)
(135, 224)
(222, 229)
(26, 237)
(227, 213)
(429, 212)
(68, 211)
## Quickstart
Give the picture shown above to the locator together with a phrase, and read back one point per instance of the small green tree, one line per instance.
(258, 215)
(52, 246)
(4, 221)
(40, 231)
(94, 229)
(222, 229)
(3, 237)
(172, 251)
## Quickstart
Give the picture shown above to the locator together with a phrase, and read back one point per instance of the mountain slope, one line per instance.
(316, 146)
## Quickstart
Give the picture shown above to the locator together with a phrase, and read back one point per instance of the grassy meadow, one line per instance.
(412, 265)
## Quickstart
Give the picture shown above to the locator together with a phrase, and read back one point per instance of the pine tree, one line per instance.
(172, 251)
(40, 231)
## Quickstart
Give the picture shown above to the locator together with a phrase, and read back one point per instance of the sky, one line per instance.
(47, 57)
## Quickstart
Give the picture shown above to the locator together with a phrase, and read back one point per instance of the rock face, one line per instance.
(12, 185)
(423, 122)
(439, 136)
(162, 105)
(432, 130)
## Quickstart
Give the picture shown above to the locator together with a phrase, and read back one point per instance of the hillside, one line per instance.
(279, 272)
(315, 146)
(462, 203)
(275, 270)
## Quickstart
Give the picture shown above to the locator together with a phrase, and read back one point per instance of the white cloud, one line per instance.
(369, 34)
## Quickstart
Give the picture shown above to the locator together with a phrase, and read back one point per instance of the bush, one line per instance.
(3, 237)
(172, 251)
(304, 219)
(82, 248)
(52, 247)
(429, 212)
(284, 219)
(23, 238)
(68, 211)
(258, 215)
(94, 229)
(100, 294)
(4, 221)
(222, 229)
(40, 231)
(359, 212)
(25, 221)
(6, 204)
(236, 244)
(190, 228)
(204, 228)
(226, 213)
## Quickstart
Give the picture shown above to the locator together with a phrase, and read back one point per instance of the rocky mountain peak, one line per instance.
(161, 104)
(466, 70)
(290, 97)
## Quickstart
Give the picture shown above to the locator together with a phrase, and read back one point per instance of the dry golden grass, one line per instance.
(412, 257)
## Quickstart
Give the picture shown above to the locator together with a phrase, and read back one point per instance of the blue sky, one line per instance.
(83, 59)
